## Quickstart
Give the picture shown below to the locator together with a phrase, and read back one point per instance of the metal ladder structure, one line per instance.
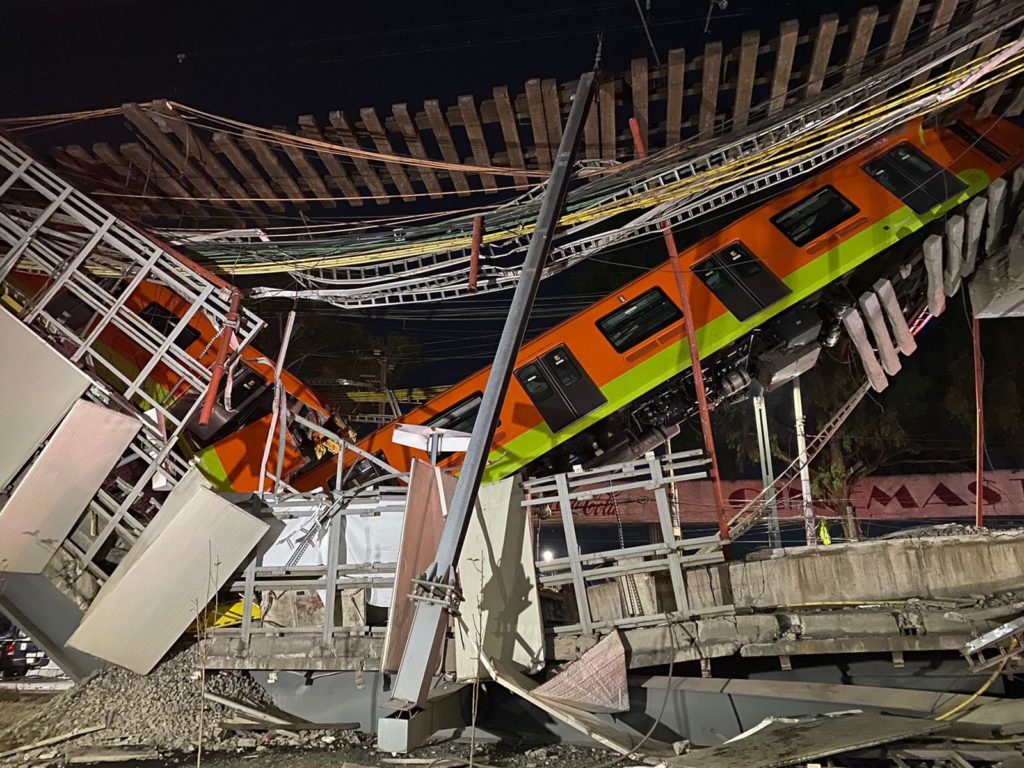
(81, 252)
(443, 275)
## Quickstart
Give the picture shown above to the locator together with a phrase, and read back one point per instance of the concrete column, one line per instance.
(872, 312)
(954, 253)
(975, 222)
(933, 266)
(905, 341)
(854, 325)
(996, 212)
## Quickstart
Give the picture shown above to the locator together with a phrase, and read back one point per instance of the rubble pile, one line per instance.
(161, 710)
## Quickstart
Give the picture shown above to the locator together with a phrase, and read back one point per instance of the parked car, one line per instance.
(18, 654)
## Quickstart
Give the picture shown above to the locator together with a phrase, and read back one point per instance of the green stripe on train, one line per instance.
(726, 329)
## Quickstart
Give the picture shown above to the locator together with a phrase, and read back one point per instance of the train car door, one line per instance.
(560, 388)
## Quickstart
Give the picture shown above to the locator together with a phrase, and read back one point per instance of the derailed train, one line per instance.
(613, 381)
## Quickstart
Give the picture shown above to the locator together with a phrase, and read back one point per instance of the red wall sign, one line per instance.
(950, 495)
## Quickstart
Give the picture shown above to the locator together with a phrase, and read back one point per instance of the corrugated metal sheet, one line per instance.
(194, 544)
(58, 485)
(37, 387)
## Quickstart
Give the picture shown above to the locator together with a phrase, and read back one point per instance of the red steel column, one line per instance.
(474, 253)
(691, 337)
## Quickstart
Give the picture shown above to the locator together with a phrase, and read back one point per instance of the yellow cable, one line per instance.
(985, 686)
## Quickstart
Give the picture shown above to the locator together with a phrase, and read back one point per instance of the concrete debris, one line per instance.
(159, 710)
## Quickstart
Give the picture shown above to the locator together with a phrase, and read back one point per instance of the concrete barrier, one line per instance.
(891, 569)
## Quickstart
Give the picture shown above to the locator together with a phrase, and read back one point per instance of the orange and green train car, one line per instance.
(230, 448)
(585, 390)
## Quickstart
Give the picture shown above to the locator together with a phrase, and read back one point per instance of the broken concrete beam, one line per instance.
(1015, 250)
(975, 223)
(1016, 185)
(854, 325)
(872, 311)
(933, 266)
(996, 213)
(954, 253)
(905, 341)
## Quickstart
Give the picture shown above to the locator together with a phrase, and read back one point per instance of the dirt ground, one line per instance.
(15, 706)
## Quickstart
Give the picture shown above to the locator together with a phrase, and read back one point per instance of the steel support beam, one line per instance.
(429, 621)
(764, 446)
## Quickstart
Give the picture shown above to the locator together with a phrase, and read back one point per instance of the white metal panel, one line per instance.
(58, 485)
(501, 605)
(194, 544)
(37, 387)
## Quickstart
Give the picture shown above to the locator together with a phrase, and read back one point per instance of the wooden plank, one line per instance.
(98, 172)
(279, 177)
(606, 99)
(152, 169)
(750, 45)
(348, 139)
(552, 115)
(899, 29)
(380, 140)
(860, 42)
(439, 126)
(538, 122)
(674, 105)
(253, 178)
(297, 156)
(992, 96)
(789, 31)
(509, 127)
(1016, 105)
(117, 163)
(172, 155)
(477, 142)
(412, 140)
(710, 78)
(824, 38)
(638, 83)
(196, 147)
(985, 45)
(941, 16)
(336, 172)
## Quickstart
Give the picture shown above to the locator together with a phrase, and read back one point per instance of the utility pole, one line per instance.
(436, 596)
(805, 471)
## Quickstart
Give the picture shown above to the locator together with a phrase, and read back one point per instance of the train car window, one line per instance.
(565, 370)
(914, 178)
(740, 281)
(163, 320)
(814, 216)
(461, 416)
(639, 319)
(978, 141)
(534, 383)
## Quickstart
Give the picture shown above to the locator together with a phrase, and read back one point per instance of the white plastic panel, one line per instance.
(58, 485)
(194, 544)
(37, 387)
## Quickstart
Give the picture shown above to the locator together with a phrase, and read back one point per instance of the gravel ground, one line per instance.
(161, 711)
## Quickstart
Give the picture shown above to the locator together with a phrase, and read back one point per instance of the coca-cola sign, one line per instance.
(926, 496)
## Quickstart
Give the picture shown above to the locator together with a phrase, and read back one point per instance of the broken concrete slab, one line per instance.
(871, 309)
(854, 325)
(936, 292)
(190, 549)
(975, 224)
(997, 193)
(596, 682)
(954, 253)
(777, 743)
(905, 341)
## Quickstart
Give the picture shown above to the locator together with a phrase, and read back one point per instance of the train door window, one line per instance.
(814, 216)
(560, 388)
(639, 319)
(740, 281)
(978, 141)
(164, 321)
(461, 416)
(914, 178)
